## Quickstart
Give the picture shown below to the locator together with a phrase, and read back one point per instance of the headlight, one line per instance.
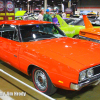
(82, 76)
(90, 72)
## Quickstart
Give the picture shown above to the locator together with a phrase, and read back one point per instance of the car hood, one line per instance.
(86, 53)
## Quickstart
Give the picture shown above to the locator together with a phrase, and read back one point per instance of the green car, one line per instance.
(70, 30)
(19, 15)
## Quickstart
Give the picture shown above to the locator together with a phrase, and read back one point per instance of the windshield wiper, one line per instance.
(44, 38)
(30, 40)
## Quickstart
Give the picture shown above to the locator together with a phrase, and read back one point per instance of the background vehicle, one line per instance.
(72, 30)
(22, 15)
(89, 33)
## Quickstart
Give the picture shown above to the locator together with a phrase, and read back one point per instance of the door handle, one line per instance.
(15, 56)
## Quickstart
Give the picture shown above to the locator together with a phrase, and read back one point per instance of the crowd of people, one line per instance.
(45, 17)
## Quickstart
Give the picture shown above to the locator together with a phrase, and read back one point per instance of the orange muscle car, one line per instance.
(41, 50)
(90, 33)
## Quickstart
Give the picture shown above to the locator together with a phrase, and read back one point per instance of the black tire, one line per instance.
(42, 81)
(76, 36)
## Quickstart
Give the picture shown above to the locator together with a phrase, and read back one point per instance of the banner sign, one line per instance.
(7, 11)
(68, 10)
(10, 10)
(2, 10)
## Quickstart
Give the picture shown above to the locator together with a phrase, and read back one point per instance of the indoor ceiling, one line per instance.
(41, 2)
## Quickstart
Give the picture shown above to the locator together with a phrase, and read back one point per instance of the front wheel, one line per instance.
(42, 81)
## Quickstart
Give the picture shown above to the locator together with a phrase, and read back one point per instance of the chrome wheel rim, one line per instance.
(40, 80)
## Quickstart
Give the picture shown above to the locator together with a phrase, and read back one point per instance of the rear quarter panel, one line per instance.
(71, 30)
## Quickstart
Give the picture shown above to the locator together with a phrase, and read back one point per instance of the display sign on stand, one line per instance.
(7, 11)
(68, 12)
(2, 10)
(10, 12)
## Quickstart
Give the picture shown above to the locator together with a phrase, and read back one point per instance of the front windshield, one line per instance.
(68, 21)
(74, 22)
(40, 32)
(95, 22)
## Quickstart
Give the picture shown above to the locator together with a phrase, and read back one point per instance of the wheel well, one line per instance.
(30, 68)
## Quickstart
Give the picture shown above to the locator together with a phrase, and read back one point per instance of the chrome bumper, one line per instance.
(93, 81)
(86, 38)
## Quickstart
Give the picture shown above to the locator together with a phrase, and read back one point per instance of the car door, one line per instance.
(3, 55)
(11, 45)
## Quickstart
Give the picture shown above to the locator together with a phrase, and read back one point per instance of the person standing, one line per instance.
(47, 16)
(40, 17)
(63, 15)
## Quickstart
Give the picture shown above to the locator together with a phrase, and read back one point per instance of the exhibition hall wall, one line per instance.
(93, 5)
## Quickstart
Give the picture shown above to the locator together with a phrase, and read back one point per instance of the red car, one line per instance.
(41, 50)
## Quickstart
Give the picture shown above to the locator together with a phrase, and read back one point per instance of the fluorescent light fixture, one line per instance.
(38, 5)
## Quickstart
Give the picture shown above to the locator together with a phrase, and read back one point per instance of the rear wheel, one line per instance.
(42, 81)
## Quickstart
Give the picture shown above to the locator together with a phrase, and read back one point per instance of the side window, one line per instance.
(10, 32)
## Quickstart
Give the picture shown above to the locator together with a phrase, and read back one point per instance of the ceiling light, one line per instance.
(59, 4)
(38, 5)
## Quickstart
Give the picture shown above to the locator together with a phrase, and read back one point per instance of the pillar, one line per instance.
(45, 5)
(69, 4)
(28, 7)
(62, 7)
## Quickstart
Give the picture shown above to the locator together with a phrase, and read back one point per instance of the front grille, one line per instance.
(96, 69)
